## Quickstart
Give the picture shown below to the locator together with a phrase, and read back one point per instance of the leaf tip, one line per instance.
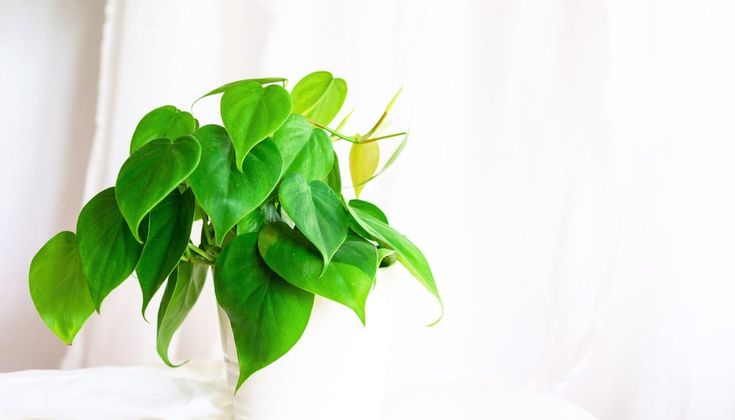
(441, 314)
(238, 163)
(168, 362)
(66, 337)
(325, 265)
(219, 237)
(136, 234)
(240, 380)
(393, 100)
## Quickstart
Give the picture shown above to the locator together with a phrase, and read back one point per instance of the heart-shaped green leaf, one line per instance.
(58, 288)
(226, 194)
(319, 96)
(347, 279)
(408, 254)
(305, 150)
(251, 113)
(364, 159)
(267, 314)
(169, 228)
(164, 122)
(182, 291)
(227, 86)
(370, 209)
(151, 173)
(317, 211)
(315, 160)
(107, 248)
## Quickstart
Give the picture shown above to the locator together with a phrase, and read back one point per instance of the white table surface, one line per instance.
(198, 391)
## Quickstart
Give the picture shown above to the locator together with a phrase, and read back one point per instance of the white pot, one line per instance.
(336, 371)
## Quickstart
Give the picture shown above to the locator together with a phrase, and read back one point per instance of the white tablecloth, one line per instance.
(198, 391)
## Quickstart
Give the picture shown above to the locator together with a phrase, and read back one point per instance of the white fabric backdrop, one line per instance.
(48, 77)
(568, 176)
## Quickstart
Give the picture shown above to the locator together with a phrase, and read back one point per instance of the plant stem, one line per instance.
(334, 133)
(201, 253)
(377, 125)
(389, 136)
(195, 260)
(385, 114)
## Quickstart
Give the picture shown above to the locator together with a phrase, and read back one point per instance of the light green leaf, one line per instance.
(347, 279)
(182, 291)
(164, 122)
(169, 228)
(364, 159)
(317, 211)
(151, 173)
(267, 314)
(388, 163)
(372, 210)
(227, 86)
(408, 254)
(319, 96)
(58, 288)
(251, 113)
(369, 208)
(107, 249)
(226, 194)
(305, 149)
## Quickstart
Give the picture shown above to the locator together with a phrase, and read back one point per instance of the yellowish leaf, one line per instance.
(364, 159)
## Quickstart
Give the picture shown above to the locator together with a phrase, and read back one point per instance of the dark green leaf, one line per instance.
(226, 194)
(253, 222)
(319, 96)
(334, 177)
(169, 228)
(58, 288)
(182, 291)
(267, 314)
(408, 254)
(317, 211)
(107, 249)
(387, 257)
(305, 149)
(251, 113)
(198, 213)
(227, 86)
(347, 279)
(151, 173)
(164, 122)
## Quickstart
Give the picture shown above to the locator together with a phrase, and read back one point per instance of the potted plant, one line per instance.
(264, 190)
